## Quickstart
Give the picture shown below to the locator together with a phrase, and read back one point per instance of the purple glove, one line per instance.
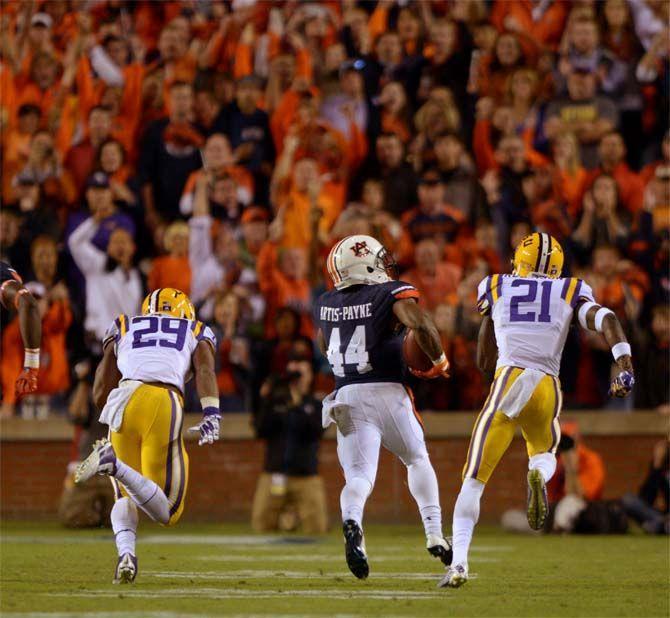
(622, 385)
(208, 427)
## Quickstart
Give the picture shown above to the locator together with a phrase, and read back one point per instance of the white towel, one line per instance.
(112, 413)
(333, 410)
(520, 392)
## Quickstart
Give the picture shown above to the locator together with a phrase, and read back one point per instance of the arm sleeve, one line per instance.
(87, 257)
(200, 244)
(105, 67)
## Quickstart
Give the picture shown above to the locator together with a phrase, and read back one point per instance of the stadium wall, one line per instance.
(34, 456)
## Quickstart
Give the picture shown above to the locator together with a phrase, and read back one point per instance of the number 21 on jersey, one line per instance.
(355, 353)
(515, 315)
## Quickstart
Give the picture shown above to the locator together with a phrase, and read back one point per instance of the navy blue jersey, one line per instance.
(363, 337)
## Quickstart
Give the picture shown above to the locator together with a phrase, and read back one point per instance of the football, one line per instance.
(414, 356)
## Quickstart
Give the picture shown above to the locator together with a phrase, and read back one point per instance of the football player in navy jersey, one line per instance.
(14, 294)
(361, 324)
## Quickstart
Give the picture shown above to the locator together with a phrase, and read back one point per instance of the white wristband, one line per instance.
(583, 310)
(601, 314)
(440, 360)
(621, 349)
(209, 402)
(32, 358)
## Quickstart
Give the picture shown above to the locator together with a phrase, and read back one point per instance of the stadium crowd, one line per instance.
(222, 148)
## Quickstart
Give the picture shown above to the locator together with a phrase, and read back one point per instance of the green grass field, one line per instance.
(198, 570)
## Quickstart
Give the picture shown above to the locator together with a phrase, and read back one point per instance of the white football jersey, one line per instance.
(531, 317)
(156, 347)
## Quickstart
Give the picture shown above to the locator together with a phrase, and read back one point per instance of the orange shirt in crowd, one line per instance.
(484, 151)
(547, 31)
(570, 188)
(54, 374)
(629, 184)
(170, 272)
(297, 227)
(240, 174)
(591, 473)
(434, 290)
(280, 291)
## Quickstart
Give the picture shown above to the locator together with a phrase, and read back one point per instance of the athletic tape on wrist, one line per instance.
(583, 310)
(209, 402)
(31, 358)
(621, 349)
(601, 314)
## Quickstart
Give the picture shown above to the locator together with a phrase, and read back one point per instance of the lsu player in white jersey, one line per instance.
(139, 385)
(526, 319)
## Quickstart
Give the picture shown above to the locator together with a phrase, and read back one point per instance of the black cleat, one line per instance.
(440, 548)
(354, 549)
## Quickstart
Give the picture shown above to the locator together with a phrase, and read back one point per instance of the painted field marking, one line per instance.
(234, 593)
(318, 558)
(279, 574)
(129, 614)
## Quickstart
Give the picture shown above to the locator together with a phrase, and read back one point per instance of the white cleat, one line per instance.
(455, 577)
(102, 460)
(126, 569)
(439, 547)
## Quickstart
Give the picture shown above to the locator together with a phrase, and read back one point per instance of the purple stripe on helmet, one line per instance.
(496, 403)
(575, 296)
(168, 471)
(539, 253)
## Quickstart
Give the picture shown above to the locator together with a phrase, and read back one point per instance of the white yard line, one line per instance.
(143, 614)
(320, 558)
(279, 574)
(233, 593)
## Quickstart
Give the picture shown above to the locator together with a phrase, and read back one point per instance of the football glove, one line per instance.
(622, 385)
(437, 370)
(208, 428)
(27, 381)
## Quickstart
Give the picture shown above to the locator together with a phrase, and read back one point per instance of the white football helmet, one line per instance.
(359, 260)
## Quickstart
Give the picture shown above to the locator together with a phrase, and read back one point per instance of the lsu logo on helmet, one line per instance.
(538, 254)
(169, 301)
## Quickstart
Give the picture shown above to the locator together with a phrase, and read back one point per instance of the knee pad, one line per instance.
(359, 485)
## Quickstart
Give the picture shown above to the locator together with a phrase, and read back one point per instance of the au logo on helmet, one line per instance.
(360, 249)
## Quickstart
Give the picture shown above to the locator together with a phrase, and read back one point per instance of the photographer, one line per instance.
(289, 420)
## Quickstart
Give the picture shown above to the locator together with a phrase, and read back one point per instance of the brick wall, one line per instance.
(223, 477)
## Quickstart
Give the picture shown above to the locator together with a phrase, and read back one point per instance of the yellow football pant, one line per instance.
(150, 442)
(494, 431)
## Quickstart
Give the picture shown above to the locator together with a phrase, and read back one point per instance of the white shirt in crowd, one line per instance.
(108, 293)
